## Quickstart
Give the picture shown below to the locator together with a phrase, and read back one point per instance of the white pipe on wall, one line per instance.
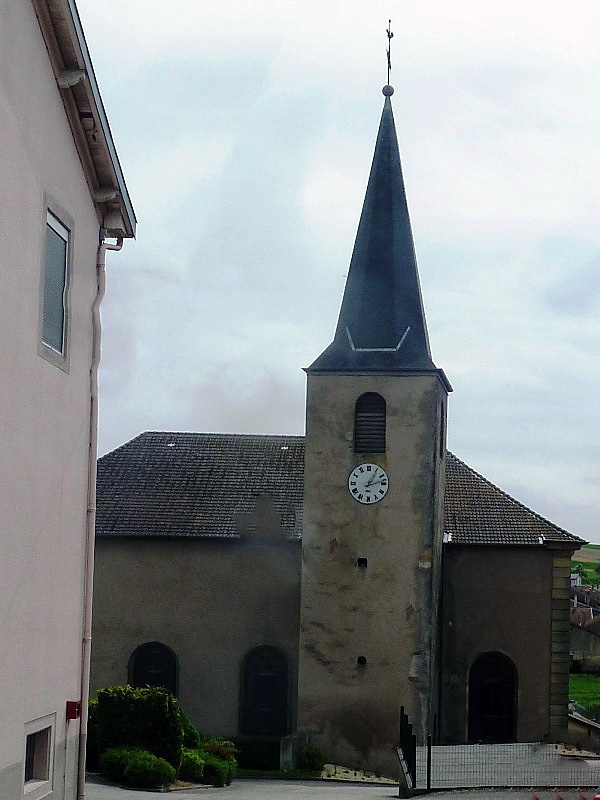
(91, 509)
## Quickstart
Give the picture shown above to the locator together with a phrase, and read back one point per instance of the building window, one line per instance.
(37, 772)
(369, 424)
(153, 664)
(56, 260)
(37, 750)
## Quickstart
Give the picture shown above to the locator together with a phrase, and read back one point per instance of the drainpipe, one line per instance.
(91, 508)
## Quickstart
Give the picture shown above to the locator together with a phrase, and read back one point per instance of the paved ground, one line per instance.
(313, 790)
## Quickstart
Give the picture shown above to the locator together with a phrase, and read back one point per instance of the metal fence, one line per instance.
(520, 765)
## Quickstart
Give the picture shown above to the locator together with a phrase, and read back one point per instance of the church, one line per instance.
(317, 585)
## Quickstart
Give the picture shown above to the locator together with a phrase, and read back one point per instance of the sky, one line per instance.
(246, 133)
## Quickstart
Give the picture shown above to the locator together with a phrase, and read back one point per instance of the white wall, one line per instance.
(44, 410)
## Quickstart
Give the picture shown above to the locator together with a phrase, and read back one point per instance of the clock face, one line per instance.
(368, 483)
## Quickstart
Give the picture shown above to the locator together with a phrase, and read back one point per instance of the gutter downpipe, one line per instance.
(91, 508)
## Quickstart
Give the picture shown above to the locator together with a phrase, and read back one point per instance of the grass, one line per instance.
(584, 689)
(587, 569)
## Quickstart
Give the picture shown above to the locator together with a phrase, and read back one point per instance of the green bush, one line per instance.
(191, 736)
(221, 748)
(216, 771)
(192, 765)
(257, 752)
(148, 718)
(311, 758)
(113, 762)
(146, 771)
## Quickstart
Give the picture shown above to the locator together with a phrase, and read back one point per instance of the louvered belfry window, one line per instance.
(55, 284)
(369, 424)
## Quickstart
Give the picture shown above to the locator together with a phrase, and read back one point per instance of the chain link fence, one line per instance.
(520, 765)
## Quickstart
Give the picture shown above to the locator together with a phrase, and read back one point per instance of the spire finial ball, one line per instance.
(388, 90)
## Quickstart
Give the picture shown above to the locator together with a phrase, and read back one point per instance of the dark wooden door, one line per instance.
(492, 699)
(265, 693)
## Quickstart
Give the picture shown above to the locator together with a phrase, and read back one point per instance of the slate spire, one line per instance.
(381, 326)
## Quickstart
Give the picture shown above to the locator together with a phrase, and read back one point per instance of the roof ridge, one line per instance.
(222, 434)
(122, 446)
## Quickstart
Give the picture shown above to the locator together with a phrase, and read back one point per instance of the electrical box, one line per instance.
(73, 709)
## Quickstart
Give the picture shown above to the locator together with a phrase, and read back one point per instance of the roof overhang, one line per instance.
(70, 59)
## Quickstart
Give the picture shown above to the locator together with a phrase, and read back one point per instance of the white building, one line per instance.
(61, 193)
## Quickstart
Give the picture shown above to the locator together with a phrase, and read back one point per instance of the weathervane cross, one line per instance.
(389, 48)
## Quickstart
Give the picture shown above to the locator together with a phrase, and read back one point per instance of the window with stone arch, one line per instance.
(369, 423)
(153, 664)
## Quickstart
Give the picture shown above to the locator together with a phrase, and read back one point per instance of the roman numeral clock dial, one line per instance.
(368, 483)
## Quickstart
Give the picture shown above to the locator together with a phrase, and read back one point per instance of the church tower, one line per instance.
(373, 496)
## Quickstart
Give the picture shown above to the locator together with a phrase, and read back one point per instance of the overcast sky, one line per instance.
(246, 132)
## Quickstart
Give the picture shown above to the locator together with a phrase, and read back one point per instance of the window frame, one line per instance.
(60, 222)
(39, 731)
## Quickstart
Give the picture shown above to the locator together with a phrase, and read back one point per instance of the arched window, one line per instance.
(492, 699)
(153, 664)
(264, 700)
(369, 424)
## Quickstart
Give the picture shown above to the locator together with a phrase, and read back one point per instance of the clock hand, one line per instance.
(372, 480)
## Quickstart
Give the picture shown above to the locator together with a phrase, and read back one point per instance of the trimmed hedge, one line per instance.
(113, 762)
(148, 718)
(145, 771)
(140, 733)
(192, 765)
(136, 767)
(216, 771)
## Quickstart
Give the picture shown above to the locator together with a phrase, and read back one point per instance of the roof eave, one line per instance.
(72, 66)
(437, 371)
(569, 546)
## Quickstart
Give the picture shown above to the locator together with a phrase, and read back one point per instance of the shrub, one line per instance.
(113, 762)
(191, 736)
(311, 758)
(146, 771)
(223, 750)
(216, 771)
(257, 752)
(148, 718)
(192, 765)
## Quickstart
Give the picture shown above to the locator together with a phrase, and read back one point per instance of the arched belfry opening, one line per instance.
(492, 699)
(264, 693)
(153, 664)
(369, 423)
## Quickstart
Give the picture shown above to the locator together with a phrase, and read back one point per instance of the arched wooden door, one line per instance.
(153, 664)
(492, 699)
(264, 701)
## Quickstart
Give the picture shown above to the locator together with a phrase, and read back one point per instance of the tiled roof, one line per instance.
(477, 512)
(197, 484)
(201, 484)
